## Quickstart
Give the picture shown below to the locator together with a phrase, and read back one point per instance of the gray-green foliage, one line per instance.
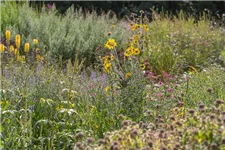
(63, 35)
(9, 15)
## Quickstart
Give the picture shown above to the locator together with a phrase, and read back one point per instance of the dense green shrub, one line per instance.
(174, 45)
(67, 35)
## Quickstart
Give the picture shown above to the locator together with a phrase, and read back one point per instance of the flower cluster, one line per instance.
(107, 62)
(15, 50)
(132, 51)
(137, 26)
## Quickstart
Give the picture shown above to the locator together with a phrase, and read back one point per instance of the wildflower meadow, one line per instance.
(95, 82)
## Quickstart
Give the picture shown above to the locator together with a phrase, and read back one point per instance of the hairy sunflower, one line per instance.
(110, 44)
(136, 51)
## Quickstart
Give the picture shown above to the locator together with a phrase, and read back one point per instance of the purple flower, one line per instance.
(160, 83)
(170, 90)
(50, 6)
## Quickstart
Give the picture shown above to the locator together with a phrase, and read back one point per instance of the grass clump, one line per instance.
(173, 45)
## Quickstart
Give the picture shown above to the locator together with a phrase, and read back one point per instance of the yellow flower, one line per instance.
(142, 66)
(129, 51)
(20, 58)
(7, 35)
(11, 48)
(18, 41)
(126, 54)
(136, 51)
(112, 57)
(26, 47)
(110, 44)
(127, 75)
(38, 57)
(192, 70)
(72, 105)
(135, 26)
(2, 48)
(107, 67)
(107, 88)
(146, 27)
(136, 37)
(37, 50)
(135, 41)
(16, 52)
(106, 59)
(35, 41)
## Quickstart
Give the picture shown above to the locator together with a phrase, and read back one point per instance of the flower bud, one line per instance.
(11, 48)
(16, 52)
(18, 41)
(35, 41)
(2, 48)
(7, 35)
(26, 47)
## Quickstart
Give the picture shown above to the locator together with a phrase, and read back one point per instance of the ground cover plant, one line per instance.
(94, 82)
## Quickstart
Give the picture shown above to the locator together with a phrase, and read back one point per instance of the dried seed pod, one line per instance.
(223, 141)
(191, 111)
(79, 144)
(101, 142)
(125, 123)
(79, 135)
(201, 105)
(210, 90)
(134, 133)
(90, 140)
(219, 101)
(150, 144)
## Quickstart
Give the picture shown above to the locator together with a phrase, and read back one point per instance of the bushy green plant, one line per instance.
(65, 35)
(173, 45)
(9, 14)
(206, 86)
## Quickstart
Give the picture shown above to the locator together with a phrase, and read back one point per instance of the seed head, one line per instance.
(210, 90)
(101, 142)
(172, 118)
(191, 111)
(212, 116)
(214, 145)
(163, 148)
(90, 140)
(223, 141)
(79, 135)
(125, 123)
(114, 147)
(201, 106)
(150, 144)
(177, 145)
(115, 143)
(79, 144)
(219, 101)
(120, 116)
(134, 133)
